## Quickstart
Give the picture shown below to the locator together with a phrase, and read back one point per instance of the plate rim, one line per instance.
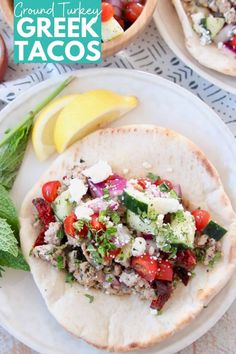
(198, 68)
(142, 75)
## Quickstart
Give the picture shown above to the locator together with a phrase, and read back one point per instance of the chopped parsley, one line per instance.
(106, 194)
(115, 217)
(78, 225)
(200, 254)
(179, 216)
(215, 259)
(110, 280)
(153, 177)
(60, 234)
(90, 297)
(69, 278)
(60, 262)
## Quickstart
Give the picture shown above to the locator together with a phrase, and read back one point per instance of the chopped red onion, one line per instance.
(229, 47)
(115, 183)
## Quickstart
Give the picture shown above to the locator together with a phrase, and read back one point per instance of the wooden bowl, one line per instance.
(108, 48)
(115, 45)
(7, 9)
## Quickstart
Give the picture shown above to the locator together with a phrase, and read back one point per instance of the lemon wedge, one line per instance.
(87, 112)
(43, 130)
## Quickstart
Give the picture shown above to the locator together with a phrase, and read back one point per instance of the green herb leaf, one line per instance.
(78, 225)
(60, 262)
(179, 216)
(106, 194)
(200, 254)
(8, 210)
(115, 218)
(70, 278)
(60, 234)
(215, 259)
(14, 143)
(153, 177)
(12, 153)
(19, 262)
(8, 242)
(90, 297)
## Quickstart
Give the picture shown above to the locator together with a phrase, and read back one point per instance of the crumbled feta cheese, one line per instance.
(160, 219)
(153, 312)
(125, 171)
(205, 34)
(77, 189)
(123, 236)
(139, 247)
(83, 212)
(98, 172)
(146, 165)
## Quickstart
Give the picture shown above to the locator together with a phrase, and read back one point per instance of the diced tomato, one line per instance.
(233, 42)
(107, 11)
(96, 224)
(163, 291)
(133, 11)
(44, 210)
(164, 270)
(145, 266)
(202, 218)
(49, 190)
(40, 239)
(186, 259)
(143, 182)
(164, 181)
(112, 254)
(68, 225)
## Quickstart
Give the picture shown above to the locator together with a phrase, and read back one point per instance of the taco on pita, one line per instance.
(210, 32)
(128, 222)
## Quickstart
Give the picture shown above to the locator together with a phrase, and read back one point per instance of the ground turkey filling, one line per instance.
(92, 226)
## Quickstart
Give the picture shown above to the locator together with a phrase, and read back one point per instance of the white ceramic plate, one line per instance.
(170, 28)
(22, 310)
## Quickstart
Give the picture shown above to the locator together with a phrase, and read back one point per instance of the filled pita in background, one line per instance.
(123, 323)
(210, 55)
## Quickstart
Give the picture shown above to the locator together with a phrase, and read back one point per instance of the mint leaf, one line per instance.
(19, 262)
(8, 210)
(90, 297)
(8, 242)
(12, 154)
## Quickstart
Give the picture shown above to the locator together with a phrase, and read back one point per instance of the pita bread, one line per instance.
(123, 323)
(209, 55)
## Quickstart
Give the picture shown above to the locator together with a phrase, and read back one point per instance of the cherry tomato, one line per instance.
(49, 190)
(107, 11)
(166, 181)
(233, 42)
(96, 224)
(186, 259)
(145, 266)
(68, 225)
(202, 218)
(143, 182)
(133, 11)
(164, 270)
(112, 254)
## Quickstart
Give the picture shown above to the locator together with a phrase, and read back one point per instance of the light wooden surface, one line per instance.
(221, 339)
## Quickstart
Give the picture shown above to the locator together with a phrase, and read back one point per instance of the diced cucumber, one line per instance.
(111, 29)
(62, 206)
(135, 201)
(183, 226)
(138, 202)
(214, 230)
(135, 222)
(214, 25)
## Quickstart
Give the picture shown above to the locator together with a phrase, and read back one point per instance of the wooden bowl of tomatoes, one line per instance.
(132, 15)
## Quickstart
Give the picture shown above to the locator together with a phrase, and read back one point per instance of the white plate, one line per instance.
(170, 28)
(22, 310)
